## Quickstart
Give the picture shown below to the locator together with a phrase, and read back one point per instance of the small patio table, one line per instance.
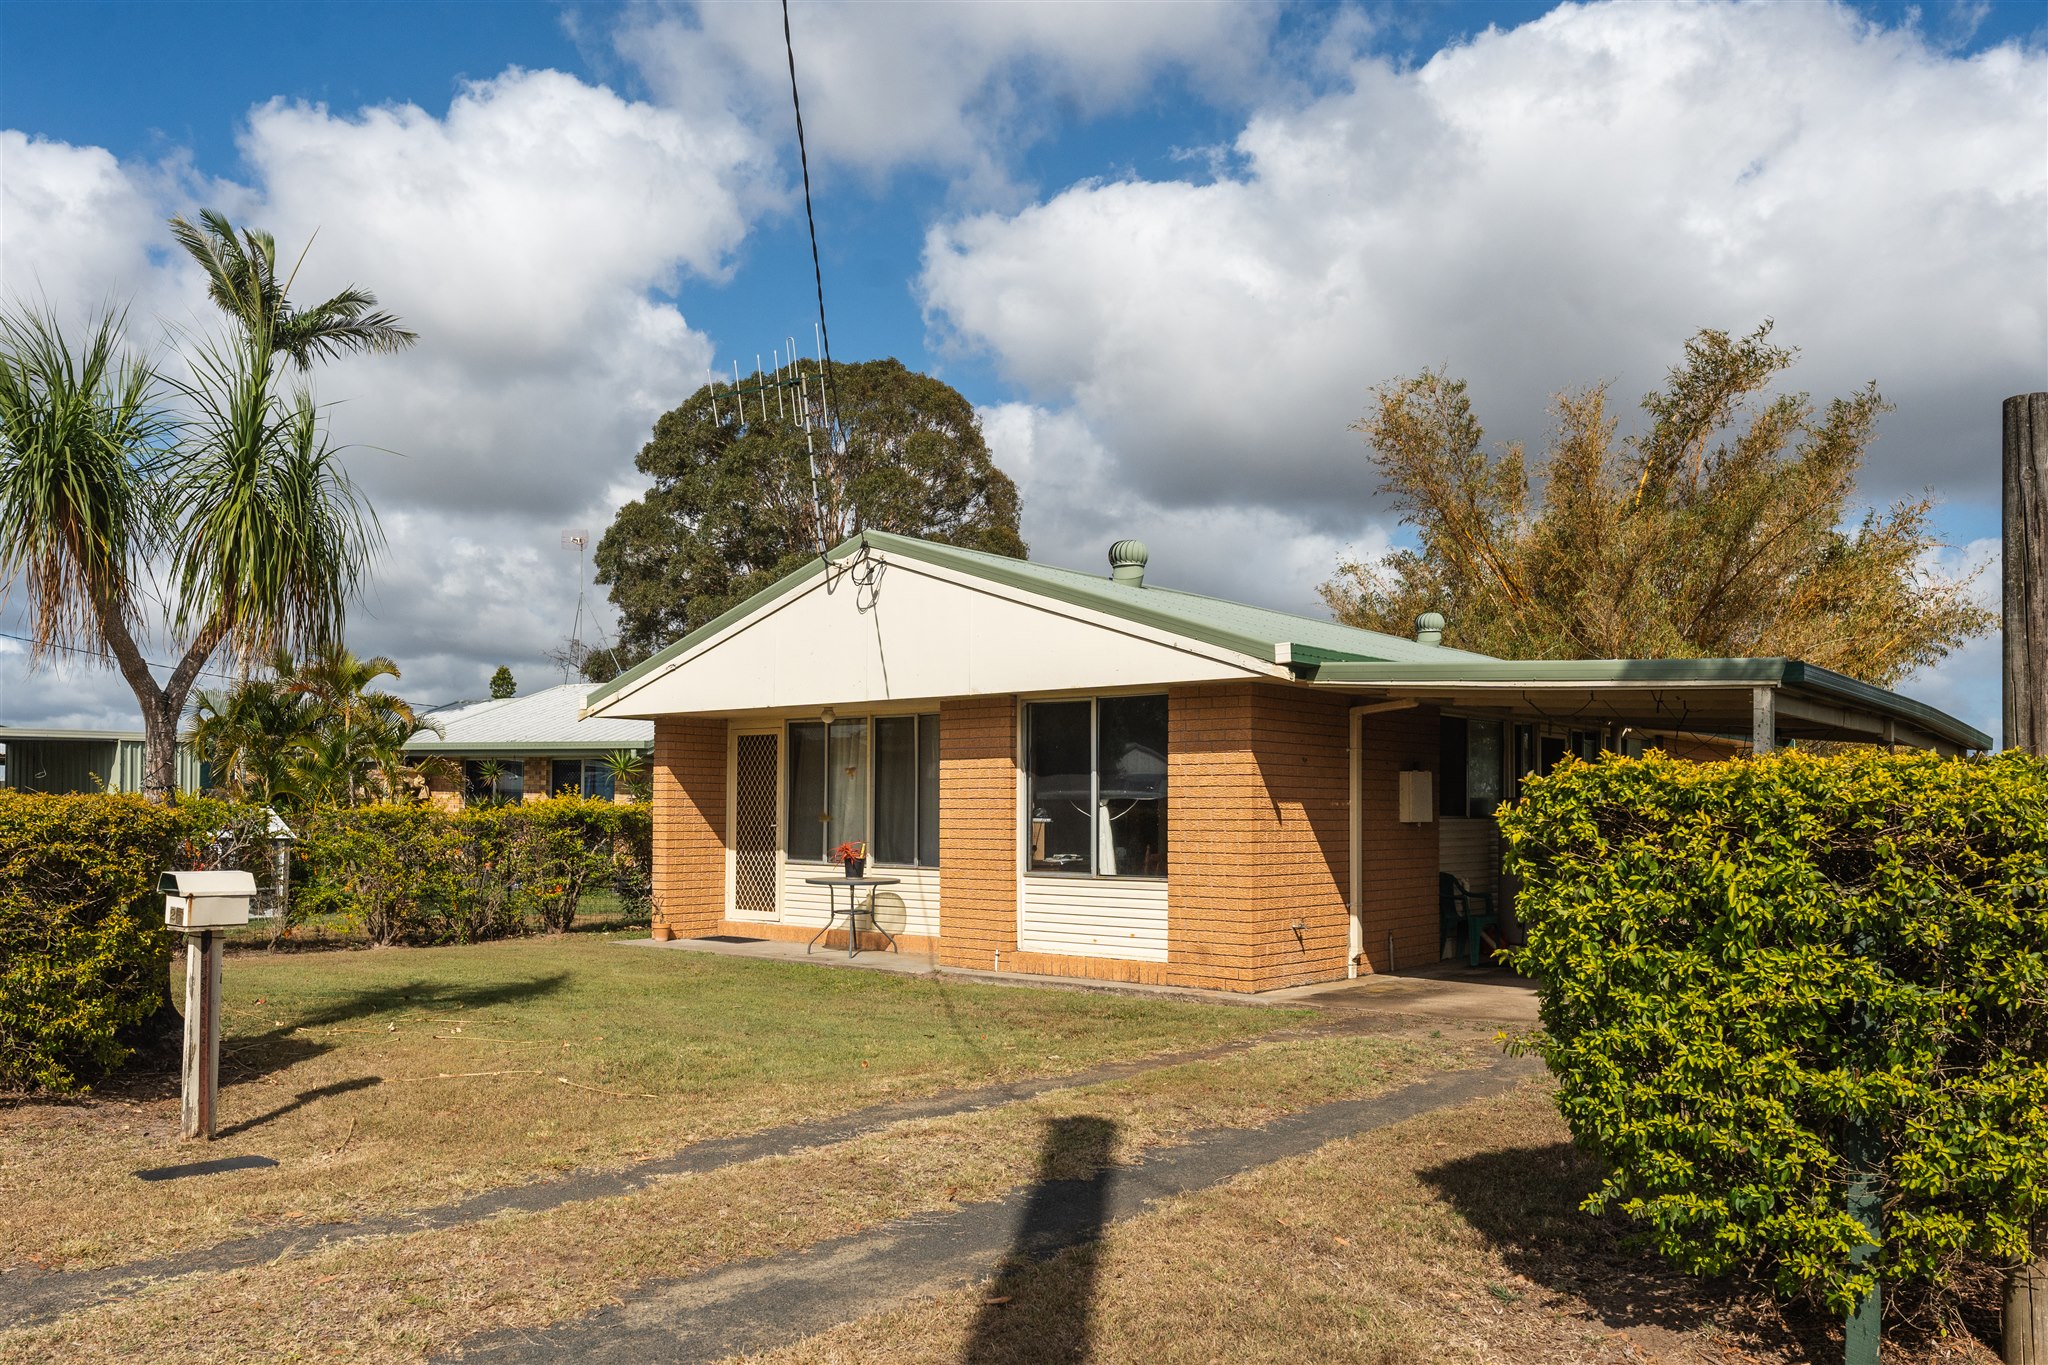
(854, 886)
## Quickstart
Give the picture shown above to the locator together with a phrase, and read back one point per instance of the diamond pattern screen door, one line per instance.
(756, 765)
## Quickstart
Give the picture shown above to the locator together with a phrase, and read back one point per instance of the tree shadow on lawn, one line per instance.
(154, 1073)
(1525, 1202)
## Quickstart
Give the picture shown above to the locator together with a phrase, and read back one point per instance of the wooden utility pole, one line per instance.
(2026, 572)
(2026, 727)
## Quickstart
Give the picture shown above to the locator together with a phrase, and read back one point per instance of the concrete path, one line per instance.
(29, 1295)
(1448, 992)
(760, 1304)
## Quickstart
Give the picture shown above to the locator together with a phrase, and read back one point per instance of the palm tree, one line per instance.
(241, 279)
(256, 735)
(264, 534)
(363, 729)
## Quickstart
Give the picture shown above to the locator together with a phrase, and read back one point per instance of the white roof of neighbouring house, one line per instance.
(541, 723)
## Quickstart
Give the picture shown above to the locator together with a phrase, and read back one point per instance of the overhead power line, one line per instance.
(810, 221)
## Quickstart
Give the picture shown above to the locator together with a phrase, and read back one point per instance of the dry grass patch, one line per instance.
(1454, 1237)
(400, 1078)
(398, 1298)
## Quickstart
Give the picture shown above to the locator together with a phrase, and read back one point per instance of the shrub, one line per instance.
(1749, 971)
(416, 874)
(84, 955)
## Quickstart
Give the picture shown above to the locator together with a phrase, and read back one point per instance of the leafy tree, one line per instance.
(732, 506)
(238, 505)
(502, 685)
(1718, 532)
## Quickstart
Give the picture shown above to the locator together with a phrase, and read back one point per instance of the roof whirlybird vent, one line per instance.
(1127, 562)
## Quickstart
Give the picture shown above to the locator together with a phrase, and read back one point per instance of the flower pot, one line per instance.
(662, 933)
(856, 867)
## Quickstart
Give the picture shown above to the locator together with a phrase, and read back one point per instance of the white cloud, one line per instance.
(1540, 208)
(957, 87)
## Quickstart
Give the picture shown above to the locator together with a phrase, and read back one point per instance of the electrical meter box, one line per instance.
(1418, 798)
(206, 900)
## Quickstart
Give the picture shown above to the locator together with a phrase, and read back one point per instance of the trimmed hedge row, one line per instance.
(1760, 977)
(415, 874)
(84, 956)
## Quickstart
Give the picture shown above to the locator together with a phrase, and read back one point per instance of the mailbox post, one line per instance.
(200, 905)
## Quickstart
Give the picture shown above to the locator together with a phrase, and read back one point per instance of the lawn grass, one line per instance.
(1454, 1237)
(398, 1078)
(404, 1297)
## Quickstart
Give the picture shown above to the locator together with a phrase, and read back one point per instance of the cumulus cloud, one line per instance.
(1548, 206)
(957, 87)
(534, 235)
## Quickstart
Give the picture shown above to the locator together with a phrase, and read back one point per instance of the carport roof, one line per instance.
(1711, 695)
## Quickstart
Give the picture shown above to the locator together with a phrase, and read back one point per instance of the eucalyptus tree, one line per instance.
(233, 518)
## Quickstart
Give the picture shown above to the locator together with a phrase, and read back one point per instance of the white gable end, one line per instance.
(917, 631)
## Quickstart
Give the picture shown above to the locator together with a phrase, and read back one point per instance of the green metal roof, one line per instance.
(1783, 673)
(1319, 650)
(1255, 631)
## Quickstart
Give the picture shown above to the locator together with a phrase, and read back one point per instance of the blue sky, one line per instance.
(1166, 249)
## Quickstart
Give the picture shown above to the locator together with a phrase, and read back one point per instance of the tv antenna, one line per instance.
(791, 391)
(578, 539)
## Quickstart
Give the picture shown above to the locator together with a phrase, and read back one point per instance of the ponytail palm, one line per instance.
(241, 279)
(239, 506)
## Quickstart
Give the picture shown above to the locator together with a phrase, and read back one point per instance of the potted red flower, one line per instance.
(855, 858)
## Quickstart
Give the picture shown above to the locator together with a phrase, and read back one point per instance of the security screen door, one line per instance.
(757, 764)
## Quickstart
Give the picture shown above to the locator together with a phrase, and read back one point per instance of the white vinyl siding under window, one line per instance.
(1121, 917)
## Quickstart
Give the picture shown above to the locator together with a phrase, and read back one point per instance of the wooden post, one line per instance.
(2026, 572)
(1763, 720)
(2026, 727)
(202, 1033)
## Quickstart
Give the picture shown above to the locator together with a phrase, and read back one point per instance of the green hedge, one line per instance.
(84, 956)
(1746, 969)
(416, 874)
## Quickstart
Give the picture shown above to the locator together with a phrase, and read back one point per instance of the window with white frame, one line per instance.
(867, 780)
(1095, 786)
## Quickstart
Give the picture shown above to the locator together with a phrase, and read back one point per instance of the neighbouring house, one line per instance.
(38, 760)
(525, 749)
(1097, 776)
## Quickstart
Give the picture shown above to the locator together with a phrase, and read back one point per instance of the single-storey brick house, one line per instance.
(1095, 776)
(524, 749)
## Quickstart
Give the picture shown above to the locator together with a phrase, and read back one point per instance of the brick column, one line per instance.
(977, 830)
(535, 779)
(689, 825)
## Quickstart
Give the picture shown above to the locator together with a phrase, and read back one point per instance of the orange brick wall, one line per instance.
(1398, 889)
(1258, 836)
(977, 831)
(689, 824)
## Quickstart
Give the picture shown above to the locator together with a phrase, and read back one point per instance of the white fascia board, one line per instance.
(961, 626)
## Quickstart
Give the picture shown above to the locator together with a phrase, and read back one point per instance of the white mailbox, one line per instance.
(206, 900)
